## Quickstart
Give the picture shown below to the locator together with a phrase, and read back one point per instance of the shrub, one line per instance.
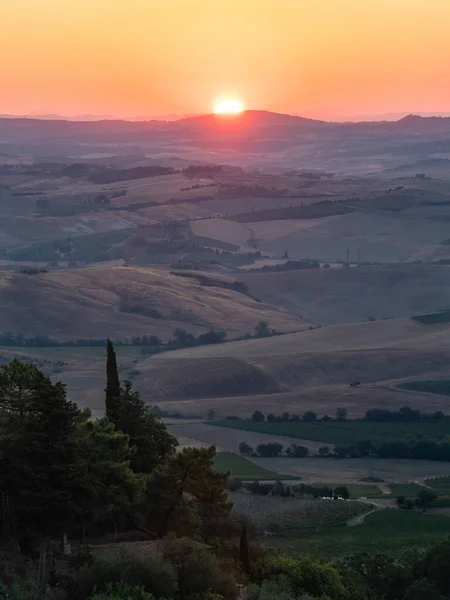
(234, 484)
(199, 571)
(152, 573)
(303, 575)
(122, 591)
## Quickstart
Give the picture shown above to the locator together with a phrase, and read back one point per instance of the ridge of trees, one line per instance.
(152, 343)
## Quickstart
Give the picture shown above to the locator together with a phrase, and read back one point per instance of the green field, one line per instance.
(340, 432)
(88, 247)
(439, 385)
(432, 318)
(405, 489)
(388, 531)
(440, 484)
(357, 490)
(242, 468)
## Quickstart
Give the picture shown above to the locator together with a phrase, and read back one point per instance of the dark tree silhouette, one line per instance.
(112, 391)
(244, 554)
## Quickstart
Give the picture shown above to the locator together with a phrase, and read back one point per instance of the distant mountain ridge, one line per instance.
(252, 131)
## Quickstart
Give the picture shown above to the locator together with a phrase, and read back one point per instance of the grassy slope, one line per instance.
(242, 468)
(86, 303)
(391, 333)
(344, 295)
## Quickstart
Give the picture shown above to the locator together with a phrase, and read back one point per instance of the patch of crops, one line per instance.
(241, 468)
(405, 489)
(441, 484)
(342, 432)
(439, 385)
(388, 531)
(356, 490)
(432, 318)
(274, 513)
(313, 516)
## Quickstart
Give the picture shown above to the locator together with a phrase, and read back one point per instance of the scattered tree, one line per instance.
(309, 416)
(245, 449)
(341, 414)
(258, 416)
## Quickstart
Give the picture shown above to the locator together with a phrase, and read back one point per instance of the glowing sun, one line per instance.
(228, 107)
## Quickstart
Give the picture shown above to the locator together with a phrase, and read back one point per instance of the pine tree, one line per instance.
(112, 390)
(39, 459)
(187, 491)
(148, 435)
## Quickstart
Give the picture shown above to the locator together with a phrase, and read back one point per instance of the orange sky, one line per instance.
(157, 57)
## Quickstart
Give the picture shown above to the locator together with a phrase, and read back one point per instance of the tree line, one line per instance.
(153, 344)
(273, 450)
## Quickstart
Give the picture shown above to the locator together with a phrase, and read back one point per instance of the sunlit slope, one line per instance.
(120, 302)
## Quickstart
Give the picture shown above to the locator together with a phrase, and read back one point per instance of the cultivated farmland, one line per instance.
(241, 468)
(264, 510)
(336, 432)
(387, 531)
(438, 385)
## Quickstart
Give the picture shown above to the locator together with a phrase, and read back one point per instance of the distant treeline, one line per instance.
(205, 171)
(273, 450)
(45, 341)
(103, 175)
(404, 414)
(292, 265)
(421, 449)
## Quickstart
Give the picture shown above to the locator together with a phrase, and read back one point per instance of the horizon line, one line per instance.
(88, 117)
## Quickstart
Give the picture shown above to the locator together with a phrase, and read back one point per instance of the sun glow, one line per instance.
(228, 107)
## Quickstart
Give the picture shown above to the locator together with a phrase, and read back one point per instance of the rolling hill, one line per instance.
(332, 296)
(310, 364)
(123, 301)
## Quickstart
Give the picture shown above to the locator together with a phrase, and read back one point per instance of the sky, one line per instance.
(131, 58)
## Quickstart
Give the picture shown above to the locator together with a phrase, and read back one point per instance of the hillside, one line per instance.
(122, 301)
(389, 333)
(332, 296)
(313, 363)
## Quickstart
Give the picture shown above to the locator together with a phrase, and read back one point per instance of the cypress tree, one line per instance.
(244, 554)
(112, 391)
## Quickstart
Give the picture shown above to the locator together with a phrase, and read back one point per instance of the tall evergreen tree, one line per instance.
(147, 433)
(244, 554)
(112, 391)
(39, 460)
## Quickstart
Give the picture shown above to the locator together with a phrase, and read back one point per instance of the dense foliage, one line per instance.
(65, 474)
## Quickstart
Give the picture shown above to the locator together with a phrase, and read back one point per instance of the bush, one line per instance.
(152, 573)
(122, 591)
(234, 484)
(199, 571)
(303, 575)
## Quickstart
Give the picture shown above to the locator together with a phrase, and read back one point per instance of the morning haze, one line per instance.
(224, 300)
